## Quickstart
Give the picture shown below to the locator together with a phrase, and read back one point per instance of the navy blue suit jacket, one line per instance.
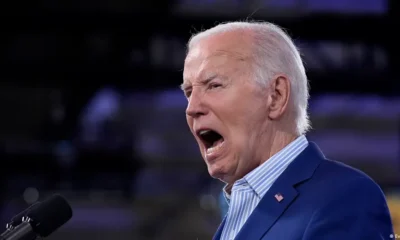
(322, 200)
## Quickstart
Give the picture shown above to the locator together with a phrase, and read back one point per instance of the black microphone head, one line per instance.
(17, 219)
(50, 215)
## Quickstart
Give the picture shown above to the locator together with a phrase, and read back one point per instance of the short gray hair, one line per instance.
(271, 42)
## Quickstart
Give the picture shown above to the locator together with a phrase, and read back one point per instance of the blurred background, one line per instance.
(92, 108)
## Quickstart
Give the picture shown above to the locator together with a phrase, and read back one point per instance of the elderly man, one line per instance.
(247, 95)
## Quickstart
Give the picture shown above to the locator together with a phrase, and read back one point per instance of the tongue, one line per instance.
(216, 143)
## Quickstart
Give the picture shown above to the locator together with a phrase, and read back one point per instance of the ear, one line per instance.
(279, 98)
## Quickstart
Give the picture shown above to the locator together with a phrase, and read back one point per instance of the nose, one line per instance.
(195, 106)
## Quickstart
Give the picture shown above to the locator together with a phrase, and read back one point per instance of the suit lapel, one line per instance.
(267, 212)
(217, 235)
(281, 194)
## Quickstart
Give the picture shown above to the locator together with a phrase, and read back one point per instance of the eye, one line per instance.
(188, 93)
(214, 85)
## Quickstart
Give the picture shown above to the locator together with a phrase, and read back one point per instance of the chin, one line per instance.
(218, 170)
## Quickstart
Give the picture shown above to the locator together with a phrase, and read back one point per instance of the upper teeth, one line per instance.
(204, 132)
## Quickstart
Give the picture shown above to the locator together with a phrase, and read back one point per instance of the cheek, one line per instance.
(239, 122)
(239, 145)
(244, 130)
(189, 121)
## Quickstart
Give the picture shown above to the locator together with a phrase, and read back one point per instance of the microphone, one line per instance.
(17, 219)
(40, 220)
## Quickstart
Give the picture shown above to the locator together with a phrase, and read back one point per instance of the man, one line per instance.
(247, 108)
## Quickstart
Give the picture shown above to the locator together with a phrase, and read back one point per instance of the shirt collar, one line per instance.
(261, 178)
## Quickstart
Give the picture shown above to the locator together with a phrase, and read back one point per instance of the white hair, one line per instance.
(274, 53)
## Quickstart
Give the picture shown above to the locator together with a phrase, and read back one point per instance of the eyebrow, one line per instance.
(185, 86)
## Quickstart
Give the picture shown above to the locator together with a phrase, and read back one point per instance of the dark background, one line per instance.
(91, 106)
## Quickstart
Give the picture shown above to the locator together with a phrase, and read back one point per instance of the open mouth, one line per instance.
(211, 139)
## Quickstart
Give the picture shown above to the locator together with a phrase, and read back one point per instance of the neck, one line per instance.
(279, 140)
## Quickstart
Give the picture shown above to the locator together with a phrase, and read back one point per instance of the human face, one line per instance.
(227, 110)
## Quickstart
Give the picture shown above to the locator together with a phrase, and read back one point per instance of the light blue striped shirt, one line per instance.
(247, 192)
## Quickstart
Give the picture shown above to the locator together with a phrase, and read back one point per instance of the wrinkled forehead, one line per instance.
(209, 57)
